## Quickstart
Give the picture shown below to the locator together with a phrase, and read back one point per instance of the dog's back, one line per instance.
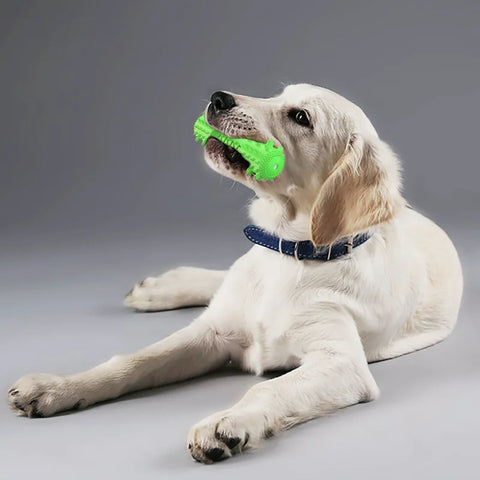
(439, 284)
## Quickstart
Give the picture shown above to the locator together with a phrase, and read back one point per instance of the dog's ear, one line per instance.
(362, 190)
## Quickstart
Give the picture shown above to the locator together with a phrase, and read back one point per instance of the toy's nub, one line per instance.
(266, 161)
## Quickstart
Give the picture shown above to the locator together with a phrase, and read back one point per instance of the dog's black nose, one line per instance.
(222, 101)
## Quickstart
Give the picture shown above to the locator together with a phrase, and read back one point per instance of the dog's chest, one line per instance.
(270, 303)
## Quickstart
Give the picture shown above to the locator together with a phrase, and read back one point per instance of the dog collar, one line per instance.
(305, 249)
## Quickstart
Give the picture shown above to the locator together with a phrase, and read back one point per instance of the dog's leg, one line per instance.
(189, 352)
(333, 374)
(181, 287)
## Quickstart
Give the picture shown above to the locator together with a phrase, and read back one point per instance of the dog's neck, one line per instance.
(281, 216)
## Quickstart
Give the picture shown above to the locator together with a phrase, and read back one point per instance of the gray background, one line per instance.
(102, 184)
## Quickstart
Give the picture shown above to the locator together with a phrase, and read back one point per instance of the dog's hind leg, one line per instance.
(190, 352)
(180, 287)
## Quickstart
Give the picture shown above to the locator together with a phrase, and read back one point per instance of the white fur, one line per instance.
(322, 321)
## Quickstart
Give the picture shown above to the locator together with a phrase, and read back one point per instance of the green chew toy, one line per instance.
(266, 161)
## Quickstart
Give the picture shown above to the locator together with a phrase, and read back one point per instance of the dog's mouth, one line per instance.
(228, 156)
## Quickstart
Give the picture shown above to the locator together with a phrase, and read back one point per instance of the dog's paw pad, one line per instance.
(230, 442)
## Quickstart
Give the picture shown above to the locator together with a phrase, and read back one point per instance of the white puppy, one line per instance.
(388, 282)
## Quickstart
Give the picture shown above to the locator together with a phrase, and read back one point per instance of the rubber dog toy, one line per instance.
(266, 161)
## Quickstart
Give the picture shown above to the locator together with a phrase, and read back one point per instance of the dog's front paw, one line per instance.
(224, 434)
(43, 395)
(144, 296)
(166, 292)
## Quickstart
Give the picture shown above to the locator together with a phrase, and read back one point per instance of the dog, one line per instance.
(342, 272)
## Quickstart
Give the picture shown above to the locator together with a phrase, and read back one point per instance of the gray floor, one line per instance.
(61, 311)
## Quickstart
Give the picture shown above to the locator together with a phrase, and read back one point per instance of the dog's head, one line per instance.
(337, 170)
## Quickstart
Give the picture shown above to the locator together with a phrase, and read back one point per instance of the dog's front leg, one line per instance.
(333, 374)
(189, 352)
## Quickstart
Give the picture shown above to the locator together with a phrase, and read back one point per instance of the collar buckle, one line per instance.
(349, 244)
(329, 252)
(295, 251)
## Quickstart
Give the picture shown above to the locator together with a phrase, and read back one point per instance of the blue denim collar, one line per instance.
(304, 249)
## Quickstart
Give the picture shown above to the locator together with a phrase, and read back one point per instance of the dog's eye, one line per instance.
(300, 117)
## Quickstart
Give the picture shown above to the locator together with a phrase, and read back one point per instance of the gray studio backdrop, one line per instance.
(98, 100)
(101, 183)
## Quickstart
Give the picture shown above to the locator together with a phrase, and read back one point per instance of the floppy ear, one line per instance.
(362, 190)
